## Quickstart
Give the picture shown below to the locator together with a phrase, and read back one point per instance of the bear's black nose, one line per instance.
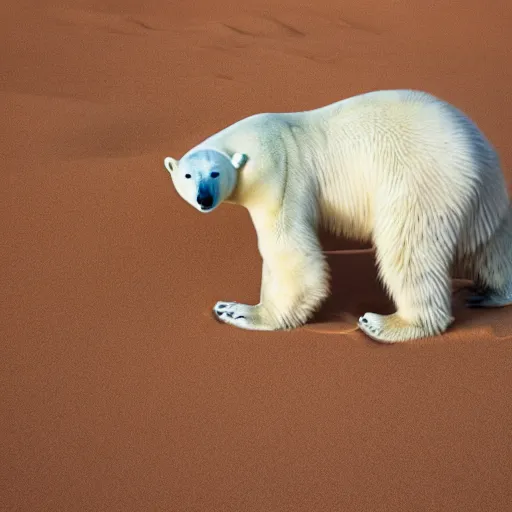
(205, 200)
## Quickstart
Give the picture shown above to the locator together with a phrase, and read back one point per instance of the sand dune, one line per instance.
(119, 390)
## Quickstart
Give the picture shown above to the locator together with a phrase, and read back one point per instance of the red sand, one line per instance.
(119, 391)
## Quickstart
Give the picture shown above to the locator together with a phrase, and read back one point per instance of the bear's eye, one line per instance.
(214, 174)
(188, 176)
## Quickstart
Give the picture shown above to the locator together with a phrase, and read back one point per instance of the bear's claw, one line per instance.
(239, 315)
(369, 323)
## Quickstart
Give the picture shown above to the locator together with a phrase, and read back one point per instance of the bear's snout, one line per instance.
(205, 201)
(205, 197)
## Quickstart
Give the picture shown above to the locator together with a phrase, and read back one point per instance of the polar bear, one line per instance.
(400, 168)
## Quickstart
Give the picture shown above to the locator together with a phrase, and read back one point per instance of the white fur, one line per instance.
(401, 168)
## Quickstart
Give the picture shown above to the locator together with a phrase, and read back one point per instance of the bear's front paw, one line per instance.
(240, 315)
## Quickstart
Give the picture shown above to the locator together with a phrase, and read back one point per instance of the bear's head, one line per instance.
(204, 178)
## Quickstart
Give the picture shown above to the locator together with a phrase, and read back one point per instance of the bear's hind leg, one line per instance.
(491, 269)
(415, 249)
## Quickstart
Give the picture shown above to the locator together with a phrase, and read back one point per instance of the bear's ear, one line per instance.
(239, 160)
(170, 164)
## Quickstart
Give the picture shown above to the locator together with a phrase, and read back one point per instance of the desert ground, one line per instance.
(119, 392)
